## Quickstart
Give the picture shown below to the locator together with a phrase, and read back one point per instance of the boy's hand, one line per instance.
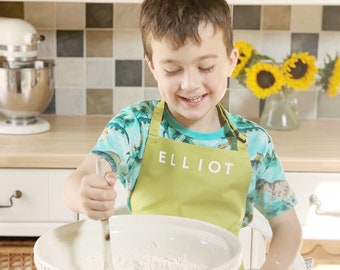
(98, 195)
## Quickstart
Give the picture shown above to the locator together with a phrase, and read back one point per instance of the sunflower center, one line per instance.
(242, 55)
(299, 70)
(265, 79)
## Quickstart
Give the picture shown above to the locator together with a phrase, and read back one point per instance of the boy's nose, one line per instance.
(190, 80)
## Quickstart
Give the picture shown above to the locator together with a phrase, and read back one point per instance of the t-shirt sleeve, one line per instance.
(273, 195)
(120, 144)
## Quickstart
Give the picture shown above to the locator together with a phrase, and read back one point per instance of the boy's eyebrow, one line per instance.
(169, 60)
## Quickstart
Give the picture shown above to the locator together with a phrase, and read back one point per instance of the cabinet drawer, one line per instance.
(40, 196)
(324, 223)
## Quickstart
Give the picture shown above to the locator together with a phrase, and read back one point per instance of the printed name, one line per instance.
(212, 166)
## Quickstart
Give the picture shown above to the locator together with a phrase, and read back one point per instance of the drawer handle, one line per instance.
(313, 200)
(17, 194)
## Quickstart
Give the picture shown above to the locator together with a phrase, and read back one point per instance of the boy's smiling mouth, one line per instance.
(196, 99)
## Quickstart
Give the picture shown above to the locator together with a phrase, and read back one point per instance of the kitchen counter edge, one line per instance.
(313, 147)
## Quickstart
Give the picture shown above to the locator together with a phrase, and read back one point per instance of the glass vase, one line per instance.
(280, 111)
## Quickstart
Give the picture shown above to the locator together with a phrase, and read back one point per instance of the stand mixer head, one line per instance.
(26, 84)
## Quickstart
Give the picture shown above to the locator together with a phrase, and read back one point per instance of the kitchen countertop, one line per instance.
(313, 147)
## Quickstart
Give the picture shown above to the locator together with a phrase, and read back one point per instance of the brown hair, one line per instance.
(178, 20)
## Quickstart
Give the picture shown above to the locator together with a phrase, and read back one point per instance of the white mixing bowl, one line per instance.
(140, 242)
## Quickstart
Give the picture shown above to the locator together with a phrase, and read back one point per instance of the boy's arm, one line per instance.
(286, 241)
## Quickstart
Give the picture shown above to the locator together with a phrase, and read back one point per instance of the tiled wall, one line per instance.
(99, 56)
(279, 30)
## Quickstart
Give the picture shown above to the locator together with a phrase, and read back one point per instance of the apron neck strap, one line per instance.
(156, 119)
(158, 114)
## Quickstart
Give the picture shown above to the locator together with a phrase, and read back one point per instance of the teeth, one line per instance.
(195, 99)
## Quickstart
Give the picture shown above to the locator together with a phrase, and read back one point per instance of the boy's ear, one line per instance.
(232, 61)
(151, 67)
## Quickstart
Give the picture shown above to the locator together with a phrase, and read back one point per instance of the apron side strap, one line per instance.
(239, 136)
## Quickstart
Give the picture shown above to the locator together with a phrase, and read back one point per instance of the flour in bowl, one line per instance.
(150, 262)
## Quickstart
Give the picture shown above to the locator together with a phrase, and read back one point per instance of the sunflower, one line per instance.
(334, 81)
(299, 70)
(245, 53)
(264, 79)
(330, 77)
(263, 76)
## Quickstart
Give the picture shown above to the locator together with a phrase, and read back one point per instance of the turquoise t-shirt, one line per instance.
(123, 140)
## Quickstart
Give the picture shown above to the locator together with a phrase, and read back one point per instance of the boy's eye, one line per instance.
(172, 72)
(207, 69)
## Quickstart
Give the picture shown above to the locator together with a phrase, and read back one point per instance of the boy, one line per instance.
(186, 155)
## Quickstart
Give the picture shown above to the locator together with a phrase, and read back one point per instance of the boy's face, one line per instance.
(193, 78)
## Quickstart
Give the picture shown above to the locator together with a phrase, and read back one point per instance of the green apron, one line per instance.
(182, 179)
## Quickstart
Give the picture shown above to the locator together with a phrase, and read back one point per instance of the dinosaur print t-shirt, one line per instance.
(123, 140)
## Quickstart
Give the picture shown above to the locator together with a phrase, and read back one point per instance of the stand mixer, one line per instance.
(26, 83)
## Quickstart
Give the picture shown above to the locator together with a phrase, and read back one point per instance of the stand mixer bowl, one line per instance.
(25, 92)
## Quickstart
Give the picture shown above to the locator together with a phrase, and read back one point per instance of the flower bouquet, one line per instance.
(275, 82)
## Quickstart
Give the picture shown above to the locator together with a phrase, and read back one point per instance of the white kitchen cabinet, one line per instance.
(320, 225)
(320, 228)
(325, 223)
(40, 206)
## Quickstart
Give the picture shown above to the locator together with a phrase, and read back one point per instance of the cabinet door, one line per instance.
(33, 203)
(41, 199)
(325, 223)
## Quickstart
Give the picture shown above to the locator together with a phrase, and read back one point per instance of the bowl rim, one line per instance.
(133, 220)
